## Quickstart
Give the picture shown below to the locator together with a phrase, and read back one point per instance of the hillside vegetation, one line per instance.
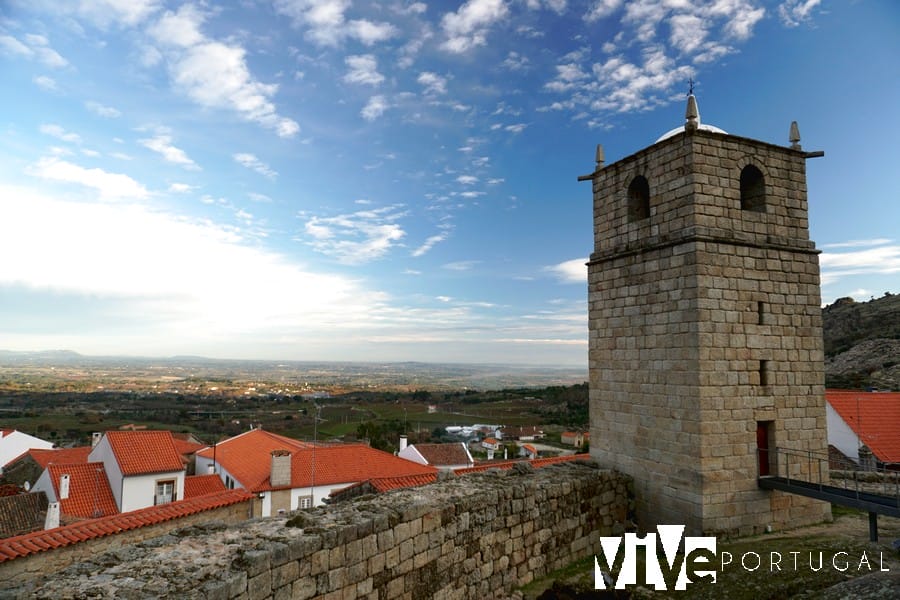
(862, 343)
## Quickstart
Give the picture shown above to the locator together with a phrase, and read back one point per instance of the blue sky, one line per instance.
(348, 180)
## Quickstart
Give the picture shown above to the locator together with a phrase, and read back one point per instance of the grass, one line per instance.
(767, 582)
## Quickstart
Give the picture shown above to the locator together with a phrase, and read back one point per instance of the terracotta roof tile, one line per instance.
(247, 457)
(60, 455)
(199, 485)
(89, 493)
(143, 452)
(874, 417)
(537, 463)
(38, 541)
(444, 454)
(345, 463)
(185, 447)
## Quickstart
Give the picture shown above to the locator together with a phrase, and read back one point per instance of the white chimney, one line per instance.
(64, 486)
(95, 438)
(211, 469)
(52, 520)
(490, 454)
(402, 443)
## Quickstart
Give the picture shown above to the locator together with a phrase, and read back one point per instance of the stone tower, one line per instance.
(705, 327)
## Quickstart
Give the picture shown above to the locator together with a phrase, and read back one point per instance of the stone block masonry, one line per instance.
(476, 536)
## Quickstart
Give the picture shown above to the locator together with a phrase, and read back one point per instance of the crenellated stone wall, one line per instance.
(476, 536)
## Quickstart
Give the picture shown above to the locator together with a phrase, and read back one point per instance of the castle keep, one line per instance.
(706, 348)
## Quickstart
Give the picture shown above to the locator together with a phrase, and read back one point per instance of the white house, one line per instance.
(143, 467)
(14, 443)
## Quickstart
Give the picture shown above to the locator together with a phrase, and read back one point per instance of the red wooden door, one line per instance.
(762, 448)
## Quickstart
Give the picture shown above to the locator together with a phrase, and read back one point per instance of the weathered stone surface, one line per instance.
(473, 549)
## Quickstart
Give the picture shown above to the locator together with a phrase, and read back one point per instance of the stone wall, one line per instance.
(705, 325)
(50, 561)
(476, 536)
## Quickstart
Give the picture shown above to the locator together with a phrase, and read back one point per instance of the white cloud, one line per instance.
(794, 12)
(429, 243)
(516, 127)
(109, 185)
(570, 271)
(859, 243)
(181, 188)
(35, 47)
(468, 27)
(101, 110)
(515, 61)
(327, 25)
(374, 108)
(433, 83)
(59, 133)
(162, 145)
(363, 70)
(467, 179)
(47, 84)
(176, 278)
(358, 237)
(461, 265)
(251, 162)
(123, 12)
(602, 9)
(215, 74)
(877, 257)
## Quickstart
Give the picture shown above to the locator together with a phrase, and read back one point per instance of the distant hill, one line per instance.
(862, 343)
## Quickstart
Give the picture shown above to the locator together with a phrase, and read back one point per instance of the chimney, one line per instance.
(64, 486)
(490, 454)
(211, 469)
(402, 443)
(280, 475)
(95, 438)
(52, 520)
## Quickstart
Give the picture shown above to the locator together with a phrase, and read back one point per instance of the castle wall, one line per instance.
(476, 536)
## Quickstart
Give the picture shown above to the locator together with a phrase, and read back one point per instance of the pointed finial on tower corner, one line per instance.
(794, 137)
(600, 156)
(691, 115)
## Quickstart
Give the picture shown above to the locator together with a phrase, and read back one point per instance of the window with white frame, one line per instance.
(304, 502)
(165, 492)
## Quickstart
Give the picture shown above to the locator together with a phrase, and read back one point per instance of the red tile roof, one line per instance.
(444, 454)
(143, 452)
(247, 457)
(184, 447)
(200, 485)
(537, 463)
(60, 455)
(89, 493)
(874, 417)
(24, 545)
(386, 484)
(344, 463)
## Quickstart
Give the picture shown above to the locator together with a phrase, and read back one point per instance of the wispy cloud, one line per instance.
(33, 46)
(461, 265)
(374, 108)
(570, 271)
(326, 23)
(215, 74)
(104, 111)
(162, 145)
(363, 69)
(110, 186)
(795, 12)
(468, 27)
(433, 83)
(251, 162)
(355, 238)
(58, 132)
(48, 84)
(879, 256)
(430, 243)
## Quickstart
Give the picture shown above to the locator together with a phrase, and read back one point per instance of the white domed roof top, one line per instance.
(692, 121)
